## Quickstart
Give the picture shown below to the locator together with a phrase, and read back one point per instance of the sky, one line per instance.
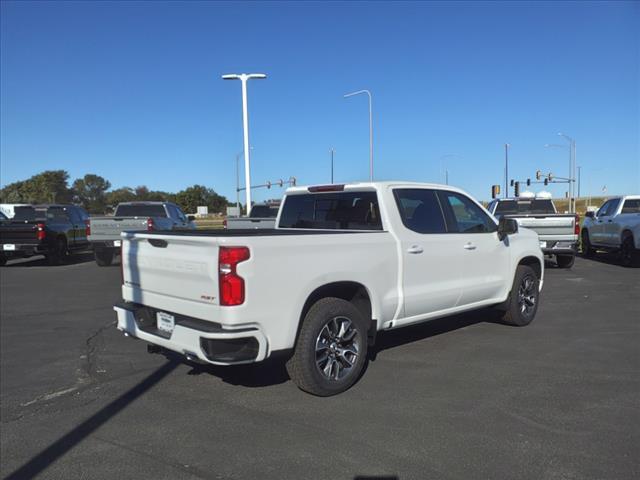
(132, 91)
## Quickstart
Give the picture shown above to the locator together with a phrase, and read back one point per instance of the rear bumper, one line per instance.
(23, 249)
(207, 341)
(560, 248)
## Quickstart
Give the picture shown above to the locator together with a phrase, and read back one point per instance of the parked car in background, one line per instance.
(104, 232)
(558, 233)
(614, 227)
(261, 217)
(343, 263)
(50, 230)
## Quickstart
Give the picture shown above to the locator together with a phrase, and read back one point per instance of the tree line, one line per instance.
(94, 193)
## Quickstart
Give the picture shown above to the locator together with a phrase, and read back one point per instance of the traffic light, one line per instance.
(538, 174)
(528, 182)
(268, 184)
(495, 191)
(512, 182)
(280, 182)
(516, 191)
(292, 181)
(546, 181)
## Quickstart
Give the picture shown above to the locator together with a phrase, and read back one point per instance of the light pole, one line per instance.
(332, 151)
(572, 169)
(443, 166)
(370, 129)
(506, 170)
(238, 179)
(244, 77)
(579, 169)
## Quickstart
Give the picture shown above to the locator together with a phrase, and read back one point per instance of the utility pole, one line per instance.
(506, 170)
(332, 151)
(370, 128)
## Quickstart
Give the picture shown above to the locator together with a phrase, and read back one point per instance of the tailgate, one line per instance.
(110, 228)
(548, 225)
(160, 269)
(22, 233)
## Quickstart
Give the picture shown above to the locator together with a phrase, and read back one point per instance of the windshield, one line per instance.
(525, 206)
(140, 211)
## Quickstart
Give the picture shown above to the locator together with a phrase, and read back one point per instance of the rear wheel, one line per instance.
(629, 255)
(522, 304)
(587, 249)
(59, 252)
(103, 257)
(565, 261)
(331, 350)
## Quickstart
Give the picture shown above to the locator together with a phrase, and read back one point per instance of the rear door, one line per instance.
(611, 228)
(474, 239)
(431, 263)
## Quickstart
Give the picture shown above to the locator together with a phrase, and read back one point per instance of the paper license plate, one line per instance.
(165, 321)
(8, 246)
(543, 244)
(117, 243)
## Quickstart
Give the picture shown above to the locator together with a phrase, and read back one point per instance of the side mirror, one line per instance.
(506, 226)
(590, 214)
(191, 218)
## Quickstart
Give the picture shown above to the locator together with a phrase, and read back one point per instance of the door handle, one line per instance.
(469, 246)
(415, 249)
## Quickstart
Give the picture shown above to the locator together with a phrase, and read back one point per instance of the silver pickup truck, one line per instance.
(261, 217)
(557, 232)
(104, 232)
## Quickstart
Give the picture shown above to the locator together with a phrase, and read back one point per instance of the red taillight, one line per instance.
(150, 225)
(576, 228)
(231, 284)
(41, 233)
(87, 227)
(224, 223)
(326, 188)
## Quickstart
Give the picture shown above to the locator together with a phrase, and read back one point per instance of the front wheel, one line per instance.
(565, 261)
(331, 350)
(587, 249)
(522, 304)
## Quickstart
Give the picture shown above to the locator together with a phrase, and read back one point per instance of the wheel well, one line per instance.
(534, 263)
(353, 292)
(625, 234)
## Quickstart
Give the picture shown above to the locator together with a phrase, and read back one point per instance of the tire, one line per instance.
(587, 249)
(333, 335)
(629, 255)
(59, 254)
(104, 258)
(565, 261)
(522, 304)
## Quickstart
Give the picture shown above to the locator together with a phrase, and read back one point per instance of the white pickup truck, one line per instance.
(614, 227)
(343, 263)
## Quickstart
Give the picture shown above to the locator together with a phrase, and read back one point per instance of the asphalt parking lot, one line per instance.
(460, 398)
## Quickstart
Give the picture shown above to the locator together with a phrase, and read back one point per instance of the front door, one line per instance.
(484, 258)
(431, 264)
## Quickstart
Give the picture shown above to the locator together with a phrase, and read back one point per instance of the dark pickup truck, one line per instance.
(50, 230)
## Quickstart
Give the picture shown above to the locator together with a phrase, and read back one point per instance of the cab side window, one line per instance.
(420, 210)
(463, 215)
(603, 210)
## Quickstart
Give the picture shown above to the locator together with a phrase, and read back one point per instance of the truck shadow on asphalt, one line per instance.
(607, 258)
(40, 261)
(273, 371)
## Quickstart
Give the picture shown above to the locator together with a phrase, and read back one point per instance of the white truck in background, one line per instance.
(343, 263)
(615, 226)
(558, 233)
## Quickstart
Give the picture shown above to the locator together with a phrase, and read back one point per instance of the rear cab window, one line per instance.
(527, 206)
(631, 205)
(331, 211)
(140, 211)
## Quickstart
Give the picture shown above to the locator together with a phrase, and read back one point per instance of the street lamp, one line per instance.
(443, 166)
(238, 179)
(244, 77)
(370, 129)
(506, 169)
(572, 169)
